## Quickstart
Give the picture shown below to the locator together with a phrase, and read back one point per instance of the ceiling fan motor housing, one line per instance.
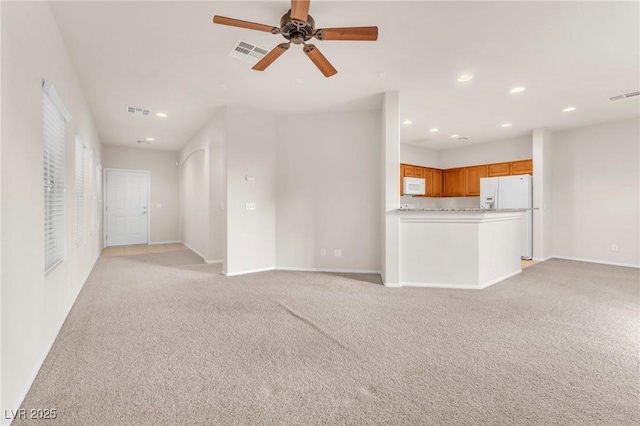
(297, 32)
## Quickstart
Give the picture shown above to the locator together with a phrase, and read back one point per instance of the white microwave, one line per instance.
(414, 186)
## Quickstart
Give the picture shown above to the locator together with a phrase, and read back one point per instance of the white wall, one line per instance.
(250, 149)
(596, 192)
(164, 186)
(390, 158)
(217, 210)
(194, 207)
(328, 191)
(411, 154)
(202, 209)
(542, 189)
(202, 205)
(485, 153)
(34, 306)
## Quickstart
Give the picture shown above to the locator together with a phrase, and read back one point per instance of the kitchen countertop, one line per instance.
(476, 209)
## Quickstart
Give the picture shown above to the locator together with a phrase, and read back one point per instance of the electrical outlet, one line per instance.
(337, 252)
(614, 247)
(323, 252)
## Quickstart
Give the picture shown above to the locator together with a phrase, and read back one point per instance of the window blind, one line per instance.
(79, 191)
(54, 117)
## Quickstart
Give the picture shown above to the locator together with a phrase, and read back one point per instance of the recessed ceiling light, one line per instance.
(407, 122)
(161, 115)
(506, 125)
(517, 90)
(567, 109)
(465, 77)
(455, 136)
(433, 130)
(150, 139)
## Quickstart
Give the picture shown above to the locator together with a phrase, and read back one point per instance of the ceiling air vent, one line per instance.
(144, 142)
(625, 96)
(463, 138)
(138, 111)
(247, 52)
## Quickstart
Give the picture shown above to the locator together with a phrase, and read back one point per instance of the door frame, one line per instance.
(104, 200)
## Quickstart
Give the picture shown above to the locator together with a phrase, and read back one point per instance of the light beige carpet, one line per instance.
(163, 339)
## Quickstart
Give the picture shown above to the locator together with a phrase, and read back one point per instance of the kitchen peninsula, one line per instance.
(459, 248)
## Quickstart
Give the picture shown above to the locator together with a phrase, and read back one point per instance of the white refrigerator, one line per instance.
(511, 192)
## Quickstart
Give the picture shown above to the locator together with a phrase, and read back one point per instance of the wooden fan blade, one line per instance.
(300, 10)
(271, 56)
(318, 58)
(349, 33)
(222, 20)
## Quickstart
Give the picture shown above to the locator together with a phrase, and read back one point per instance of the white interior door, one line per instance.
(126, 207)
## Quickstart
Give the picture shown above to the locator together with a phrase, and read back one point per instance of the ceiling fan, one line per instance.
(298, 27)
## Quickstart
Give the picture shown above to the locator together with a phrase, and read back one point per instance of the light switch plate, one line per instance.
(250, 178)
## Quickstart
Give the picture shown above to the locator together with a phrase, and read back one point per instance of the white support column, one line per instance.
(391, 189)
(542, 141)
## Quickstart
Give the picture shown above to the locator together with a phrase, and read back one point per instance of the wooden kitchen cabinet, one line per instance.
(499, 169)
(461, 181)
(409, 171)
(437, 183)
(454, 183)
(428, 180)
(524, 167)
(472, 179)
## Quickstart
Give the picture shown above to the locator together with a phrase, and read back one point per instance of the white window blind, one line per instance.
(79, 191)
(54, 117)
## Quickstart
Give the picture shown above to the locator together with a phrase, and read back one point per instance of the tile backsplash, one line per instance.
(444, 202)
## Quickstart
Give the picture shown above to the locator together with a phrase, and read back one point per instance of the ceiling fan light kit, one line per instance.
(298, 27)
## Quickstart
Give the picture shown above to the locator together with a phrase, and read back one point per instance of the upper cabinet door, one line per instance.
(499, 169)
(428, 182)
(473, 175)
(409, 171)
(437, 183)
(524, 167)
(418, 172)
(454, 183)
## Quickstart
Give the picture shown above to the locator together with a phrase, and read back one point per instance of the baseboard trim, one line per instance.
(626, 265)
(200, 254)
(155, 243)
(250, 271)
(339, 271)
(32, 377)
(461, 286)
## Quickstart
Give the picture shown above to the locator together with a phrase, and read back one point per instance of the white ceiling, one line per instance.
(169, 57)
